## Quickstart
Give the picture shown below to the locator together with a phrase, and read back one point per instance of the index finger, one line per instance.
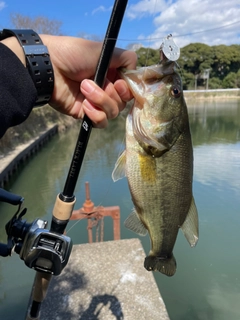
(123, 59)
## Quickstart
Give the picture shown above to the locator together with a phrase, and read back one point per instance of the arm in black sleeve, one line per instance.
(17, 90)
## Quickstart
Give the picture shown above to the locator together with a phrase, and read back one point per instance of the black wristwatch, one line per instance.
(37, 61)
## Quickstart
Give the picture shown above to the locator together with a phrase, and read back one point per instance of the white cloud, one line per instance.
(101, 9)
(186, 20)
(2, 5)
(145, 7)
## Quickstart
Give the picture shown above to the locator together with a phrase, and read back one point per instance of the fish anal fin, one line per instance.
(166, 265)
(134, 224)
(190, 225)
(119, 169)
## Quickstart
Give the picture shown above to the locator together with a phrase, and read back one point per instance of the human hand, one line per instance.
(74, 62)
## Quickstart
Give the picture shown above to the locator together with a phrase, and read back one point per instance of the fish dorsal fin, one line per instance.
(190, 225)
(134, 224)
(119, 169)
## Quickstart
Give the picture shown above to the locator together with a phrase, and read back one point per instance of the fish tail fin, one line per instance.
(166, 266)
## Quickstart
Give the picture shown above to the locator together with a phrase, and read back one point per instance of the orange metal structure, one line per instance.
(95, 216)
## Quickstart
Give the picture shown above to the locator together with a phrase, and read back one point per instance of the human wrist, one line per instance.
(37, 61)
(13, 44)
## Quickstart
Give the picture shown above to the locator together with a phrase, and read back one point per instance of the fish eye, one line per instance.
(176, 92)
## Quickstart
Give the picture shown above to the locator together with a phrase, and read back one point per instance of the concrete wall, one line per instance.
(212, 94)
(10, 163)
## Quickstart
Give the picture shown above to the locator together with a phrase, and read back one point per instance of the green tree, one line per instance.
(232, 80)
(188, 79)
(226, 59)
(196, 57)
(222, 61)
(215, 83)
(147, 56)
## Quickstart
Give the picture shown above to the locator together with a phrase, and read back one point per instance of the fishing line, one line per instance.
(66, 199)
(103, 191)
(68, 230)
(98, 205)
(151, 39)
(107, 159)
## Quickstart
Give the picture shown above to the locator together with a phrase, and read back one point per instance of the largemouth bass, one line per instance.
(158, 163)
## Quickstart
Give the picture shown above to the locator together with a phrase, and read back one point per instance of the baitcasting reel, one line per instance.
(39, 248)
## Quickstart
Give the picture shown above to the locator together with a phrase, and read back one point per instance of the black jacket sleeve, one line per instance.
(17, 91)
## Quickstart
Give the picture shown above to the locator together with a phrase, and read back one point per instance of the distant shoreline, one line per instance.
(9, 163)
(212, 94)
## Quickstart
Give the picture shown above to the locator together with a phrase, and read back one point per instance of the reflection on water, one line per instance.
(206, 285)
(207, 282)
(218, 165)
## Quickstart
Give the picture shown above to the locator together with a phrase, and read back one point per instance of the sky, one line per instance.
(145, 23)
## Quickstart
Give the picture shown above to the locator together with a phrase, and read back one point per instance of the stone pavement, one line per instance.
(105, 281)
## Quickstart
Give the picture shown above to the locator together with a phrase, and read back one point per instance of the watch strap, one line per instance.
(38, 61)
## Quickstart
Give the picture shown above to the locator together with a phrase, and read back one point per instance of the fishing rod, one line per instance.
(48, 251)
(65, 200)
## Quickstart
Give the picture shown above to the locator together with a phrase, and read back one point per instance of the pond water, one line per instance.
(207, 282)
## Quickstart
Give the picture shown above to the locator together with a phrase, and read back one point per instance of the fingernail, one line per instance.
(87, 86)
(88, 105)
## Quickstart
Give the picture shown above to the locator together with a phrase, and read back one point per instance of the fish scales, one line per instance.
(158, 163)
(169, 180)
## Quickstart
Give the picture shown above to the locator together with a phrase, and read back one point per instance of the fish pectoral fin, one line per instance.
(119, 169)
(134, 224)
(190, 225)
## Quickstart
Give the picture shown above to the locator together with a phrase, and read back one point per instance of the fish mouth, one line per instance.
(138, 80)
(135, 85)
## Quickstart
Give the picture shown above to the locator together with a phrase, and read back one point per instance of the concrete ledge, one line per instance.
(10, 163)
(105, 281)
(214, 94)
